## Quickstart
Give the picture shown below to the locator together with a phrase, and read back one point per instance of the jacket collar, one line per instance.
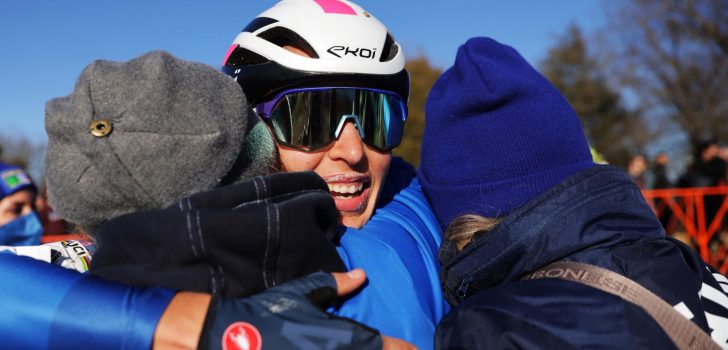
(596, 209)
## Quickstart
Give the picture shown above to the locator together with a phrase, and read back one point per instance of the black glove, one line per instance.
(289, 316)
(235, 241)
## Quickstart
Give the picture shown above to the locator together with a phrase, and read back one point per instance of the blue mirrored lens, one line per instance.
(307, 119)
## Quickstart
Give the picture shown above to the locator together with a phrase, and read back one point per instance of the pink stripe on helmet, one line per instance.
(229, 52)
(335, 6)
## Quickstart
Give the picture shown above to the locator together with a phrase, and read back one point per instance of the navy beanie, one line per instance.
(497, 134)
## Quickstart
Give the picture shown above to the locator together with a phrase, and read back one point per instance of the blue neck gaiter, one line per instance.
(25, 230)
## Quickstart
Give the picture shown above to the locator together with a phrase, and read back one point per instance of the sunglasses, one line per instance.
(308, 119)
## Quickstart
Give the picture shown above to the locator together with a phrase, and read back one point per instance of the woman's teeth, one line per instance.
(345, 190)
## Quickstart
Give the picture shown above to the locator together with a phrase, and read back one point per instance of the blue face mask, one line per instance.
(25, 230)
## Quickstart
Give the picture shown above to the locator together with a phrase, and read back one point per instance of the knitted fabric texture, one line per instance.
(176, 128)
(497, 135)
(13, 179)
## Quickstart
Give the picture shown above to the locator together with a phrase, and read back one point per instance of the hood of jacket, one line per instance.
(581, 219)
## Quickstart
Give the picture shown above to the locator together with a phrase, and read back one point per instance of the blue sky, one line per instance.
(46, 44)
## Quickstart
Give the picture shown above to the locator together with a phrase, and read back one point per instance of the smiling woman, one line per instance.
(338, 113)
(336, 110)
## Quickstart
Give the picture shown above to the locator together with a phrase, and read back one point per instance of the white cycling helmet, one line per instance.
(347, 47)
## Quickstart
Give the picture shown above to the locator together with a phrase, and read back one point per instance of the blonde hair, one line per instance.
(466, 228)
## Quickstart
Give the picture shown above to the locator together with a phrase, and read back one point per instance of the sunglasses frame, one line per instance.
(265, 109)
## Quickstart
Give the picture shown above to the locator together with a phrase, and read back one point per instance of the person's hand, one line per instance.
(234, 241)
(292, 316)
(390, 343)
(181, 325)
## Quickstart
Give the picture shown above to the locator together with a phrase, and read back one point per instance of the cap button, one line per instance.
(100, 127)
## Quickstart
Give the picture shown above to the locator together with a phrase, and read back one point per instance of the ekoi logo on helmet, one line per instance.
(341, 51)
(241, 336)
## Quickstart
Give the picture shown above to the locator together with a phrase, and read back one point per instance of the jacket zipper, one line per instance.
(464, 285)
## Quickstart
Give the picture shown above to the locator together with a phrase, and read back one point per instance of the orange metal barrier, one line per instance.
(688, 211)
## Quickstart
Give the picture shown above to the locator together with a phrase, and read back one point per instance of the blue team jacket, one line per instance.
(398, 250)
(598, 217)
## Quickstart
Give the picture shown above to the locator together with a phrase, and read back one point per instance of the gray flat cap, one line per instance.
(141, 134)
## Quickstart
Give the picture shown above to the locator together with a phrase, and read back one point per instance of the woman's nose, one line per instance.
(349, 146)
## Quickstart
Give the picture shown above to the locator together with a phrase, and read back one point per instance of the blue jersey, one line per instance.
(50, 307)
(398, 250)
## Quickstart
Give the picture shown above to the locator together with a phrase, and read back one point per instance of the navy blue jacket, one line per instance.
(598, 217)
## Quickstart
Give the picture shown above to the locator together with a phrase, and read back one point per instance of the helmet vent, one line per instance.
(285, 37)
(390, 49)
(244, 57)
(258, 23)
